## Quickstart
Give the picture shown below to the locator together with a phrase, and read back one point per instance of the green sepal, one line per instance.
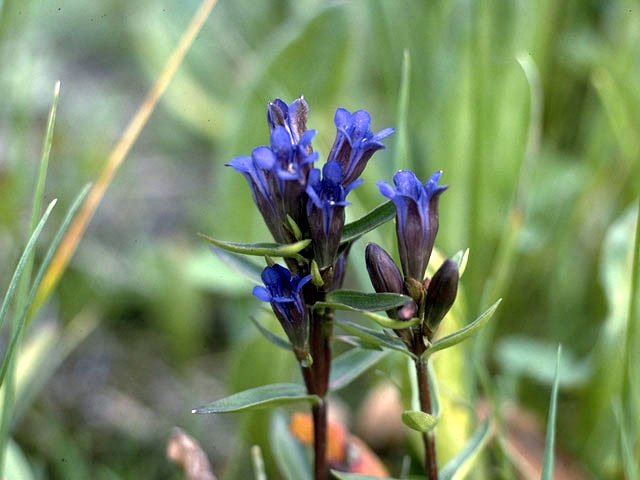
(260, 397)
(372, 220)
(419, 421)
(260, 249)
(462, 334)
(316, 276)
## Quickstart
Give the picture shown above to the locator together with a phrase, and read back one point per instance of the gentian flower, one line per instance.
(292, 166)
(416, 218)
(292, 117)
(278, 174)
(441, 293)
(283, 291)
(355, 143)
(259, 172)
(325, 209)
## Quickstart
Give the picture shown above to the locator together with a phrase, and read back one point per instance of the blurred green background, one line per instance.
(531, 108)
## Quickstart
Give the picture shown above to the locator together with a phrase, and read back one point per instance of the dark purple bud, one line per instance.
(416, 219)
(325, 211)
(441, 293)
(355, 143)
(385, 276)
(283, 291)
(339, 270)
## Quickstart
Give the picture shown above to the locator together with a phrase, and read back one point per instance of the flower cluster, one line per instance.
(416, 228)
(298, 201)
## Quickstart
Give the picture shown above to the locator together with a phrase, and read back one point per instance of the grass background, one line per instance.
(532, 109)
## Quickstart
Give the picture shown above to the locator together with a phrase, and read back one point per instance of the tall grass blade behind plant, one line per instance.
(119, 153)
(9, 387)
(547, 466)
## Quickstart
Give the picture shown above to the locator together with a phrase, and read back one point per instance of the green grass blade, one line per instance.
(402, 140)
(628, 460)
(23, 286)
(22, 318)
(461, 463)
(547, 466)
(22, 263)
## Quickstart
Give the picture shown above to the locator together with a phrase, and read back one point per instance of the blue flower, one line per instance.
(278, 174)
(259, 170)
(292, 117)
(325, 210)
(416, 218)
(355, 143)
(283, 291)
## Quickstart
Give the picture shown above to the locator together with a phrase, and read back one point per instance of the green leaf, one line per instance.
(461, 258)
(372, 220)
(547, 465)
(356, 476)
(360, 301)
(240, 264)
(22, 318)
(272, 337)
(22, 263)
(460, 464)
(260, 249)
(351, 364)
(433, 390)
(628, 460)
(373, 338)
(464, 333)
(365, 303)
(260, 397)
(419, 421)
(402, 135)
(288, 453)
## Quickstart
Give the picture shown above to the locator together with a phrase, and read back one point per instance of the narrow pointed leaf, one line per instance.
(461, 258)
(460, 464)
(23, 316)
(260, 397)
(373, 337)
(419, 421)
(260, 249)
(372, 220)
(239, 263)
(547, 465)
(348, 366)
(288, 453)
(628, 461)
(272, 337)
(370, 302)
(463, 334)
(22, 263)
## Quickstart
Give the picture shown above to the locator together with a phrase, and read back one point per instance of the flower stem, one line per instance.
(320, 467)
(319, 338)
(429, 439)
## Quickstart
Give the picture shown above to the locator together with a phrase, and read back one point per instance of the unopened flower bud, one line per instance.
(385, 276)
(441, 293)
